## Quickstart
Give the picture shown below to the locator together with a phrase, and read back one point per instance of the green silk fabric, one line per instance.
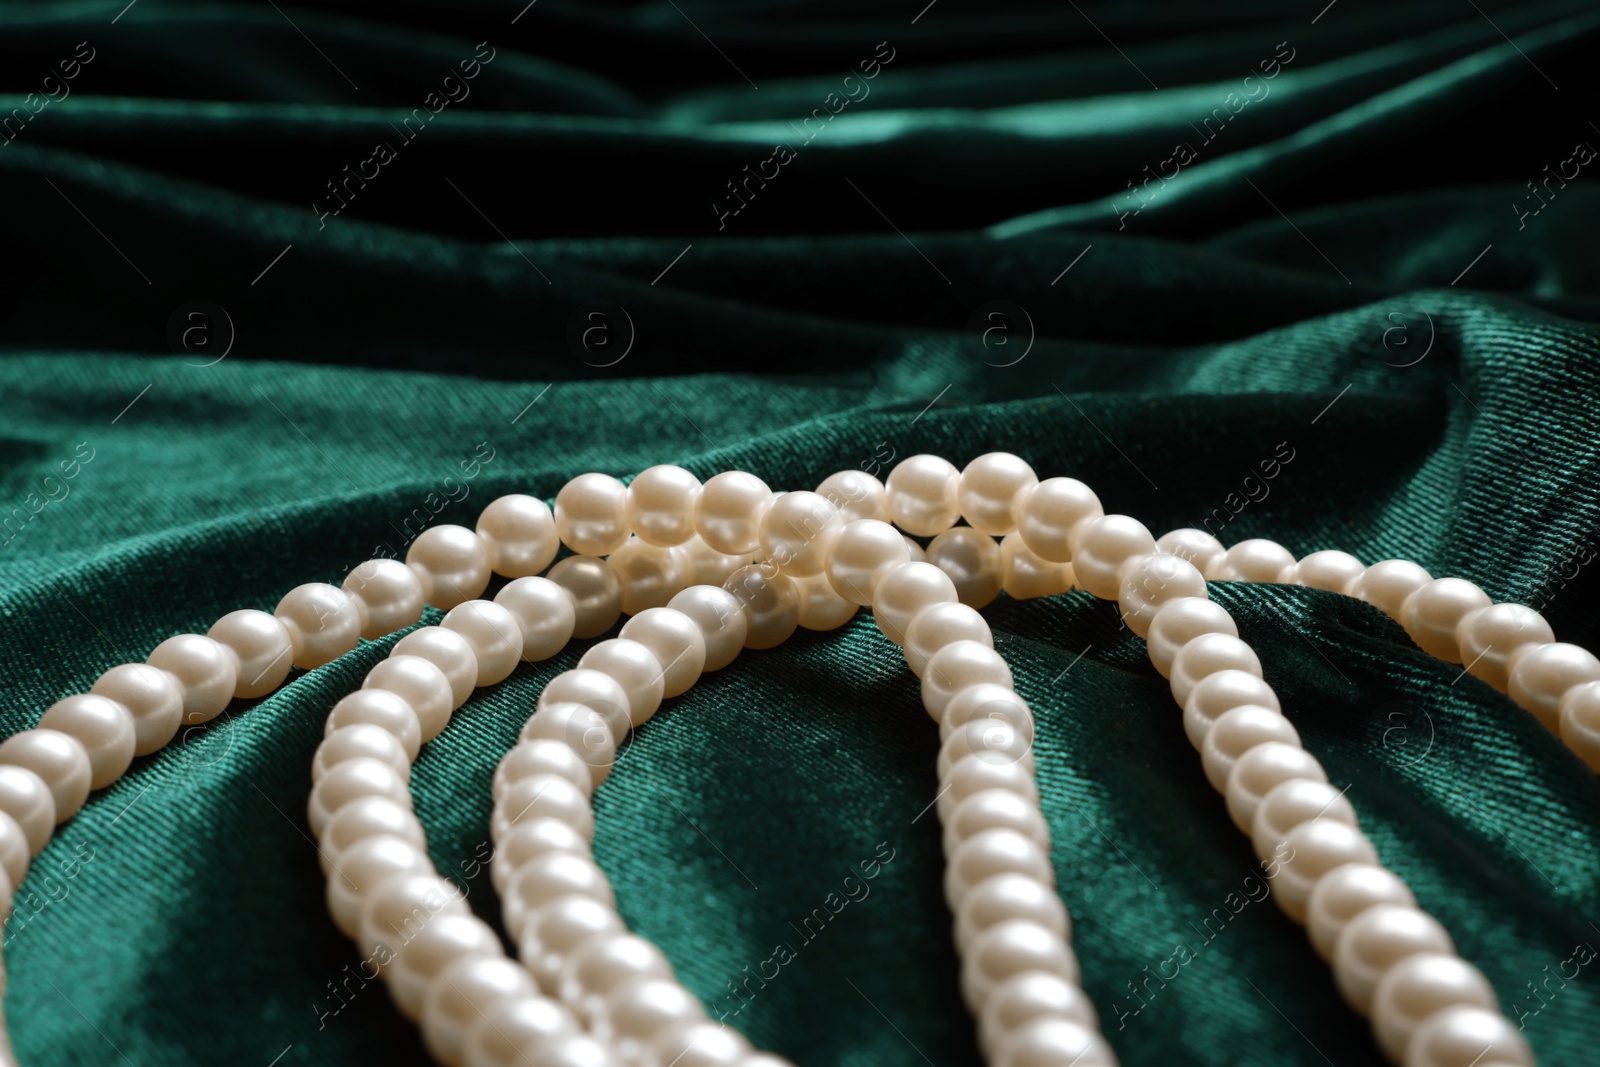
(1358, 313)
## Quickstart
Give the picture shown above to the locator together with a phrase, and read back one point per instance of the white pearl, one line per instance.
(701, 1043)
(700, 564)
(439, 943)
(938, 625)
(603, 964)
(1177, 622)
(558, 930)
(1542, 674)
(640, 1010)
(1377, 939)
(1489, 637)
(359, 741)
(1217, 694)
(1006, 897)
(28, 800)
(1206, 655)
(994, 741)
(972, 560)
(548, 877)
(519, 535)
(1580, 722)
(720, 618)
(494, 634)
(770, 604)
(1255, 560)
(580, 727)
(917, 554)
(1051, 1042)
(579, 1050)
(323, 623)
(1467, 1036)
(1099, 548)
(636, 668)
(1019, 1001)
(15, 852)
(419, 682)
(650, 575)
(1255, 773)
(1310, 851)
(1026, 576)
(263, 647)
(822, 609)
(1330, 570)
(364, 866)
(904, 592)
(1147, 583)
(596, 592)
(924, 495)
(1345, 893)
(992, 852)
(350, 781)
(986, 702)
(462, 992)
(674, 640)
(206, 673)
(382, 708)
(1432, 614)
(957, 666)
(102, 726)
(448, 650)
(60, 762)
(1416, 988)
(857, 495)
(863, 552)
(364, 817)
(1386, 584)
(542, 796)
(995, 809)
(990, 489)
(1238, 731)
(797, 532)
(661, 503)
(509, 1031)
(591, 514)
(544, 611)
(1049, 511)
(728, 513)
(153, 698)
(387, 594)
(1196, 546)
(1010, 948)
(527, 841)
(451, 563)
(974, 774)
(1288, 805)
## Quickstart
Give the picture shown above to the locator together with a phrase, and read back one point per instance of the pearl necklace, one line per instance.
(134, 710)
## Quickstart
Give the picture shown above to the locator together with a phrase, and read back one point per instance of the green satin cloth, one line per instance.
(1371, 274)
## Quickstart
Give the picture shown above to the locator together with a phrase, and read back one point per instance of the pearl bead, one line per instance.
(1432, 614)
(640, 1010)
(263, 646)
(323, 623)
(1386, 584)
(1580, 722)
(364, 866)
(350, 781)
(700, 564)
(451, 563)
(1255, 560)
(1147, 583)
(1007, 897)
(545, 613)
(1345, 893)
(206, 673)
(591, 514)
(957, 666)
(422, 685)
(972, 560)
(394, 912)
(102, 726)
(15, 853)
(1255, 773)
(448, 650)
(1049, 511)
(526, 842)
(1025, 576)
(797, 532)
(989, 490)
(368, 817)
(1018, 1001)
(992, 852)
(924, 495)
(822, 609)
(1311, 850)
(506, 1034)
(987, 703)
(1099, 548)
(721, 620)
(857, 495)
(661, 502)
(27, 798)
(917, 554)
(1177, 622)
(1010, 948)
(635, 668)
(382, 708)
(650, 575)
(673, 639)
(494, 635)
(1206, 655)
(1542, 674)
(1467, 1036)
(542, 796)
(1196, 546)
(1288, 805)
(1376, 940)
(1217, 694)
(603, 964)
(904, 592)
(437, 945)
(698, 1042)
(60, 762)
(995, 809)
(387, 596)
(596, 592)
(974, 775)
(153, 698)
(938, 625)
(580, 727)
(1488, 637)
(728, 513)
(1236, 732)
(863, 552)
(770, 603)
(461, 993)
(360, 741)
(1051, 1042)
(519, 535)
(1414, 989)
(548, 877)
(558, 930)
(1330, 570)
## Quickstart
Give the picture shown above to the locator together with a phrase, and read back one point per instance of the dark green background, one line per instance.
(1432, 365)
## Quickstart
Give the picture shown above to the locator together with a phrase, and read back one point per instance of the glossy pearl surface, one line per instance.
(451, 563)
(519, 535)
